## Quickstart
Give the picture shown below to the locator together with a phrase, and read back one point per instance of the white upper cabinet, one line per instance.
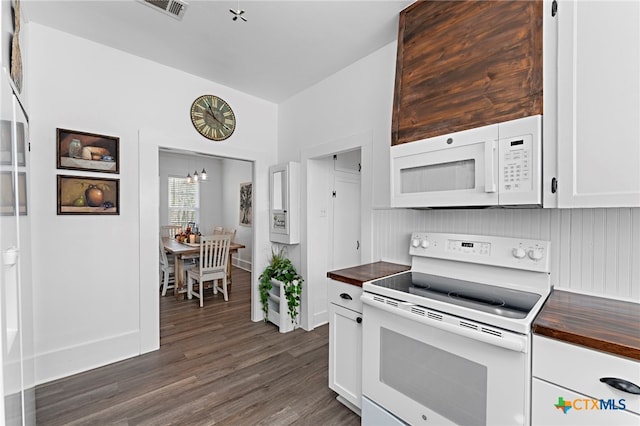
(599, 104)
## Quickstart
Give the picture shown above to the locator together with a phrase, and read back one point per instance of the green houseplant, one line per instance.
(281, 269)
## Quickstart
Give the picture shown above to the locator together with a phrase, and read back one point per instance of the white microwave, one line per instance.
(495, 165)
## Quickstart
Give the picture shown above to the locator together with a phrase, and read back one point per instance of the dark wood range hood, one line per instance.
(466, 64)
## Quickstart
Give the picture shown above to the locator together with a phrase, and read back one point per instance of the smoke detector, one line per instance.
(173, 8)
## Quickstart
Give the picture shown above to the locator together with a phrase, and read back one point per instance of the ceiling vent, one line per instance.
(173, 8)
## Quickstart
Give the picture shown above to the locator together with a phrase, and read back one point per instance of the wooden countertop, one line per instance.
(363, 273)
(607, 325)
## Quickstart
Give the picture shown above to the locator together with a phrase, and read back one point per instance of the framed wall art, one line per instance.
(87, 151)
(8, 196)
(88, 195)
(245, 204)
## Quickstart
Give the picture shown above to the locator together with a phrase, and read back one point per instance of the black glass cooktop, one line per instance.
(483, 297)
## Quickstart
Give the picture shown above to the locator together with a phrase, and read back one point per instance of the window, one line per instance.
(184, 201)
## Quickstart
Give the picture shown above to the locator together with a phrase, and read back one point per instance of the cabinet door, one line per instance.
(17, 401)
(546, 397)
(284, 203)
(345, 353)
(279, 198)
(599, 104)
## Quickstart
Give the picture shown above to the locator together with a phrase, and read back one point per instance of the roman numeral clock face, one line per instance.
(213, 118)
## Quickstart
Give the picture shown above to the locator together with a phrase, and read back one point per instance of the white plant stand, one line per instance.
(278, 309)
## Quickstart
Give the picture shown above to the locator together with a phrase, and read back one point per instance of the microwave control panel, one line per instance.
(515, 164)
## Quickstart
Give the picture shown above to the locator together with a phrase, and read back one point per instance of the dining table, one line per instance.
(182, 250)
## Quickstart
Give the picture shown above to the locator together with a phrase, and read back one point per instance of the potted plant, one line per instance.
(282, 270)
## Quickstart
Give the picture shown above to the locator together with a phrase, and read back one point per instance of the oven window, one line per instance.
(452, 386)
(456, 175)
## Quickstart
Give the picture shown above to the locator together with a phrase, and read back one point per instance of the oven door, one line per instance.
(429, 368)
(451, 170)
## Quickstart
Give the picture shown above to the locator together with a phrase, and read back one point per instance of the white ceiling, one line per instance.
(285, 47)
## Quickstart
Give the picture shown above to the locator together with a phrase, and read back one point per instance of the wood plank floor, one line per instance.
(214, 366)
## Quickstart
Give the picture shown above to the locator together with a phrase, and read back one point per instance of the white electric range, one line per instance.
(449, 342)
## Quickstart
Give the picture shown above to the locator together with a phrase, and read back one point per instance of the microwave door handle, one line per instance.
(489, 166)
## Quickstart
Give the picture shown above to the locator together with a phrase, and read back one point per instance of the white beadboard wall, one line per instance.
(594, 251)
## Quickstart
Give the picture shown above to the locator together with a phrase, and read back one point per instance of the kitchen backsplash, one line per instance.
(594, 251)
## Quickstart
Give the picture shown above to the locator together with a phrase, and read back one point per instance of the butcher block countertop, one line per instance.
(607, 325)
(363, 273)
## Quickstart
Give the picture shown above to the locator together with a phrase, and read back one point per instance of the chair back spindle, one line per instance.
(170, 231)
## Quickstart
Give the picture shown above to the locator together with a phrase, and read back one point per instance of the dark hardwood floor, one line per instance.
(214, 366)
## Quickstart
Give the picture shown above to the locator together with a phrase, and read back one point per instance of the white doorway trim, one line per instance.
(314, 271)
(149, 144)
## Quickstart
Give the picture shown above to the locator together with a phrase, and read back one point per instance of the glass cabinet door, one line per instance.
(279, 201)
(284, 203)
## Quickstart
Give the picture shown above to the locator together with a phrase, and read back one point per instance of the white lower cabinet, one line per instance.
(345, 343)
(567, 387)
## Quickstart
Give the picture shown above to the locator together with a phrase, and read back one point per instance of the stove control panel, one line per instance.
(507, 252)
(469, 247)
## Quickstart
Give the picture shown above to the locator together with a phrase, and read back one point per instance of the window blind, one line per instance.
(184, 201)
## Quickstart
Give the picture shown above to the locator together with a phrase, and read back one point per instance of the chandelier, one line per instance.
(197, 178)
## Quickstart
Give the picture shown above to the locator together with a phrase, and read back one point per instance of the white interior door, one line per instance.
(346, 214)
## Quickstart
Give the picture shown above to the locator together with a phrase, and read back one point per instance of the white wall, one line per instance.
(95, 279)
(353, 102)
(235, 173)
(349, 110)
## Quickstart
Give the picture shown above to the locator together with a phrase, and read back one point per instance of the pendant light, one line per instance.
(197, 177)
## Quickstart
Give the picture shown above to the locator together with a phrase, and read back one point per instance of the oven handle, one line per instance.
(508, 341)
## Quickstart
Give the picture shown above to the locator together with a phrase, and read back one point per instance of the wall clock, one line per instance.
(212, 117)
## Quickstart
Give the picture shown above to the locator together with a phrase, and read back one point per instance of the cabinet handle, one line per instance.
(489, 173)
(359, 320)
(621, 385)
(345, 296)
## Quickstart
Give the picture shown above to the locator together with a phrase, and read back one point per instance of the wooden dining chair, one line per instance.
(214, 255)
(230, 231)
(167, 269)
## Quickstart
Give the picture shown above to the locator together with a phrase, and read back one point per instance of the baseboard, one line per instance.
(349, 405)
(76, 359)
(242, 264)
